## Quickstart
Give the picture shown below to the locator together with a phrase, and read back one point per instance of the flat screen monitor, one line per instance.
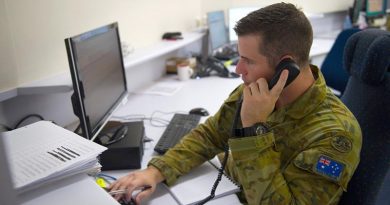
(217, 29)
(235, 14)
(98, 76)
(375, 8)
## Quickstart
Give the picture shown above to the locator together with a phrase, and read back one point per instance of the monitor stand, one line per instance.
(127, 152)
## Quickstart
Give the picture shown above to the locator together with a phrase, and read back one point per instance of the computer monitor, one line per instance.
(375, 8)
(235, 14)
(217, 29)
(372, 8)
(388, 6)
(98, 76)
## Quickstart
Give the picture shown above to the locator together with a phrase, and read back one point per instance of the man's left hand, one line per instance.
(259, 101)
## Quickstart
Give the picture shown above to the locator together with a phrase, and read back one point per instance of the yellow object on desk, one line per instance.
(101, 182)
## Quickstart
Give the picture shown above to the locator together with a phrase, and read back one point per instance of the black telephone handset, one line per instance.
(293, 72)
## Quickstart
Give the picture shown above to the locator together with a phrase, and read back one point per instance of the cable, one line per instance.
(226, 150)
(4, 128)
(26, 117)
(161, 122)
(219, 178)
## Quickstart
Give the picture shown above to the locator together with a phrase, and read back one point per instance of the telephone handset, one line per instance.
(293, 72)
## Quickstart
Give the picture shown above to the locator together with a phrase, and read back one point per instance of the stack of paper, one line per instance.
(196, 185)
(42, 152)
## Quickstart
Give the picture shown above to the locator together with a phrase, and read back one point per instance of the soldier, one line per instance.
(292, 145)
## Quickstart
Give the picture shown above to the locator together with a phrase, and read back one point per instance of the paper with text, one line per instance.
(43, 151)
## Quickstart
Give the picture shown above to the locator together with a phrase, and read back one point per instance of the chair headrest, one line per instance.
(367, 55)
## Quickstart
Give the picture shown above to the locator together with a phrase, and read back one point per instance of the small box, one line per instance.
(126, 153)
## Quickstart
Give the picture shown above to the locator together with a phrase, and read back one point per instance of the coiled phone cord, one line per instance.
(225, 158)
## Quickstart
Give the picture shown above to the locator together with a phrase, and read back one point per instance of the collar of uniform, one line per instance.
(306, 103)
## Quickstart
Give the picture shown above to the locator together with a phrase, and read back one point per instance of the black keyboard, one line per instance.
(180, 125)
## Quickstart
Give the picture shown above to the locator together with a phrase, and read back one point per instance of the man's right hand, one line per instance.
(150, 176)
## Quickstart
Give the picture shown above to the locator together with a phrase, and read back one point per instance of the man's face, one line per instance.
(252, 65)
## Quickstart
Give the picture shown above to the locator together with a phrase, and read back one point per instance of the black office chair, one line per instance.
(367, 95)
(332, 67)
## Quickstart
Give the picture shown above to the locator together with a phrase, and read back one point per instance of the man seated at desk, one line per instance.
(292, 145)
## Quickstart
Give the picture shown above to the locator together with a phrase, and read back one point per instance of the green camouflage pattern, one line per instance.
(277, 167)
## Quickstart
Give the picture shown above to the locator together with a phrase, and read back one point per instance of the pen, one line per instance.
(122, 191)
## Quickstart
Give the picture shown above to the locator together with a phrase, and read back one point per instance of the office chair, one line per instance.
(367, 95)
(332, 67)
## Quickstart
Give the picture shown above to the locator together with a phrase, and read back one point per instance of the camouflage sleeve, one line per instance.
(201, 144)
(317, 175)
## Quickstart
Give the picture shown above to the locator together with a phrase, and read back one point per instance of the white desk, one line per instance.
(209, 93)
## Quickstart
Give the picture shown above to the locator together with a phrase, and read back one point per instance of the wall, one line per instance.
(8, 70)
(39, 27)
(312, 6)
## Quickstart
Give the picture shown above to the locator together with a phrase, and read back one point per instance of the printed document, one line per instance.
(43, 151)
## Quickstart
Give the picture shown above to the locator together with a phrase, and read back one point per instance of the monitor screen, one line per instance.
(217, 29)
(235, 14)
(98, 76)
(375, 8)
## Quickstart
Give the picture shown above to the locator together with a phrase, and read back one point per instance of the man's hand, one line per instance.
(147, 177)
(259, 101)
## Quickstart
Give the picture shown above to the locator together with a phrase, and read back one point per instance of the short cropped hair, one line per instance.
(283, 30)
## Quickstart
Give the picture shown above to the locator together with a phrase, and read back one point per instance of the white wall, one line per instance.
(39, 27)
(8, 69)
(312, 6)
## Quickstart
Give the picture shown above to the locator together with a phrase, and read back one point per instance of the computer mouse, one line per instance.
(199, 111)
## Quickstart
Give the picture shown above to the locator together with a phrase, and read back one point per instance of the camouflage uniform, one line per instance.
(308, 157)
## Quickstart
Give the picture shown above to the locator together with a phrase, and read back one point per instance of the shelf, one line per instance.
(159, 49)
(62, 82)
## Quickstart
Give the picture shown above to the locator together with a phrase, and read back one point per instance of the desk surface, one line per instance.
(209, 93)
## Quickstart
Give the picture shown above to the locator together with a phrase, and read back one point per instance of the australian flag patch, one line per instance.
(329, 167)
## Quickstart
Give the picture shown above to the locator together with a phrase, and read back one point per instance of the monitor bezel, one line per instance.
(78, 96)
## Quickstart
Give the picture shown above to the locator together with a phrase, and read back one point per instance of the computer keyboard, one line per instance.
(179, 126)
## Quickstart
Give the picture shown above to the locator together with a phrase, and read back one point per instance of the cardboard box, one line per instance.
(171, 64)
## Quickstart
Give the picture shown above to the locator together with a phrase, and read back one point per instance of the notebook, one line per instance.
(197, 184)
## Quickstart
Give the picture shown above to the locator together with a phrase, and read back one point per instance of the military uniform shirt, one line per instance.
(308, 156)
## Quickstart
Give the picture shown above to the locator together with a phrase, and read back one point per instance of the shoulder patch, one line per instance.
(329, 167)
(341, 144)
